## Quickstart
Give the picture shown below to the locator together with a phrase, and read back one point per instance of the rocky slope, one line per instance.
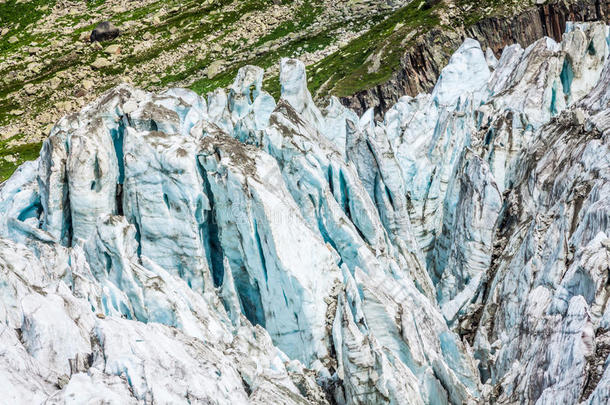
(169, 248)
(352, 49)
(49, 67)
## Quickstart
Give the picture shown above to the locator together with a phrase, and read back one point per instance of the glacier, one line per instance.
(173, 248)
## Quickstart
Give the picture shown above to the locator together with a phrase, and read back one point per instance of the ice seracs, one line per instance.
(171, 248)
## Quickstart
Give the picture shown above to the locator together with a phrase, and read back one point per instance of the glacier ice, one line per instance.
(173, 248)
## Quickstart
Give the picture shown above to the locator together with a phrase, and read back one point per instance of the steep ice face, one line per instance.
(174, 249)
(20, 199)
(295, 92)
(269, 248)
(563, 232)
(463, 251)
(429, 134)
(163, 196)
(586, 48)
(467, 72)
(335, 129)
(250, 106)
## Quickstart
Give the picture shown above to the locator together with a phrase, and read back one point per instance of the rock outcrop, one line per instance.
(167, 248)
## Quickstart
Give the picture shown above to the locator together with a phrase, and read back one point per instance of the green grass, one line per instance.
(92, 4)
(306, 15)
(22, 152)
(6, 106)
(16, 17)
(475, 14)
(348, 68)
(186, 16)
(266, 60)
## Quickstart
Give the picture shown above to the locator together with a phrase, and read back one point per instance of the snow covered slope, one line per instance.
(167, 248)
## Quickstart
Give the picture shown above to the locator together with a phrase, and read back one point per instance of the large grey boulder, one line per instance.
(104, 31)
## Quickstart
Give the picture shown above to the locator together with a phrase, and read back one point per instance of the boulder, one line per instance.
(104, 31)
(113, 49)
(215, 68)
(101, 63)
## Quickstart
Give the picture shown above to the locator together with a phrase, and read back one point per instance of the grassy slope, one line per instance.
(307, 14)
(22, 152)
(348, 69)
(342, 73)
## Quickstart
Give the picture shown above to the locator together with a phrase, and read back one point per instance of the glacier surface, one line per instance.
(171, 248)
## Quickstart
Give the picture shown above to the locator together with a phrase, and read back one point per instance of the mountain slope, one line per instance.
(48, 66)
(367, 52)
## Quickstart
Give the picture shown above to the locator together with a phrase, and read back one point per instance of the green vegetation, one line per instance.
(266, 60)
(92, 4)
(21, 152)
(18, 15)
(476, 7)
(373, 57)
(306, 15)
(354, 68)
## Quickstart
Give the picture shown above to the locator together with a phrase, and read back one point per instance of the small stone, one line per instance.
(34, 68)
(13, 40)
(63, 106)
(101, 63)
(62, 380)
(11, 158)
(54, 82)
(113, 49)
(29, 89)
(88, 84)
(214, 68)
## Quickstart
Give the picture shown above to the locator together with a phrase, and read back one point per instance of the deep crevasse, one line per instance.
(172, 249)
